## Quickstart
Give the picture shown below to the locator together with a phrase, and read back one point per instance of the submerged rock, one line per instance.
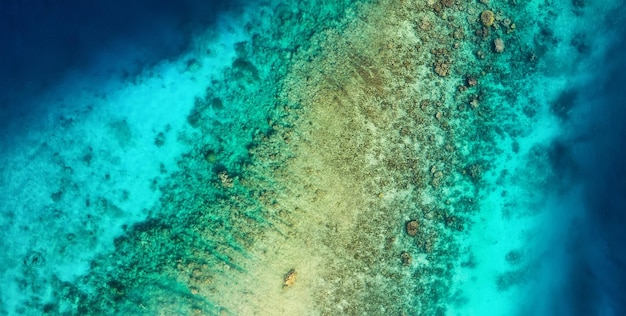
(289, 278)
(442, 69)
(498, 45)
(471, 81)
(406, 258)
(411, 227)
(487, 17)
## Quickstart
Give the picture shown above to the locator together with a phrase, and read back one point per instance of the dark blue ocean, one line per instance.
(44, 40)
(590, 160)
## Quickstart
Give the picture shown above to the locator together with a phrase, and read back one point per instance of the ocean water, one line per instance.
(347, 157)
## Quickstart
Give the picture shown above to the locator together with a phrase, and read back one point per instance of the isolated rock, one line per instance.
(406, 258)
(442, 69)
(289, 279)
(498, 45)
(471, 80)
(411, 227)
(487, 17)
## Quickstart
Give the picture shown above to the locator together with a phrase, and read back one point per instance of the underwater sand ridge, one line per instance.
(380, 106)
(357, 131)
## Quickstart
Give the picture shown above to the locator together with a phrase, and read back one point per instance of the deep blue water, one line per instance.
(40, 40)
(591, 160)
(599, 260)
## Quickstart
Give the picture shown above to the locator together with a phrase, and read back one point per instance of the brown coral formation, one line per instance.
(442, 61)
(412, 227)
(289, 278)
(406, 258)
(487, 17)
(225, 179)
(442, 69)
(471, 81)
(498, 45)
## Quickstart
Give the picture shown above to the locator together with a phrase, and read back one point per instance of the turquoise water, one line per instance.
(269, 161)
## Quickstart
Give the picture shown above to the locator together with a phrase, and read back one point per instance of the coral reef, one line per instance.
(487, 18)
(412, 227)
(290, 278)
(498, 45)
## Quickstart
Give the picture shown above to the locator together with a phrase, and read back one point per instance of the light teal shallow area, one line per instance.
(275, 168)
(519, 247)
